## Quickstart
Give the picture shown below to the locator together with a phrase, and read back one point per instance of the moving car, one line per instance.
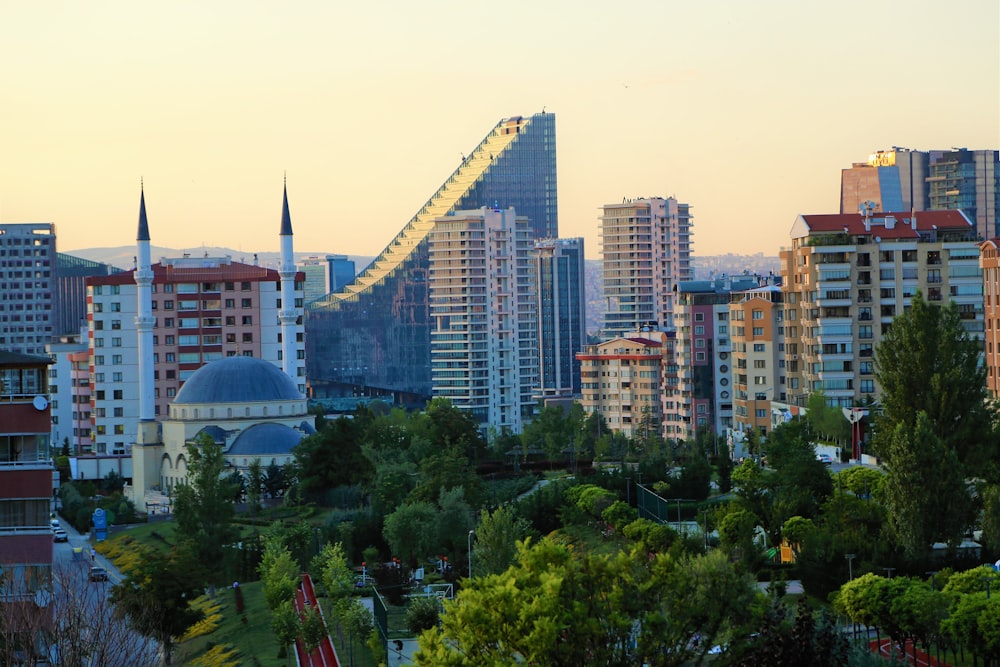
(60, 535)
(98, 573)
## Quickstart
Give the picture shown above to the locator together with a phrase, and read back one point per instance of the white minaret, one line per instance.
(144, 321)
(287, 315)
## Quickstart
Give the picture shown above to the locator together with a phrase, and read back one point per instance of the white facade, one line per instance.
(204, 309)
(646, 250)
(479, 265)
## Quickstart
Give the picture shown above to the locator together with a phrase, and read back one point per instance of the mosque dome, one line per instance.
(237, 380)
(270, 439)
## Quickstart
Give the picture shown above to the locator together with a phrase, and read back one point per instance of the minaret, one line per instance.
(144, 321)
(148, 448)
(287, 315)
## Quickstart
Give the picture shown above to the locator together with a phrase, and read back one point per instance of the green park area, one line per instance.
(570, 544)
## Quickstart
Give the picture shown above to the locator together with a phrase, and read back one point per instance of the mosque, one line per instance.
(246, 405)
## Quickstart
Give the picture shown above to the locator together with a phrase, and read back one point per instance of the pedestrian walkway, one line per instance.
(87, 554)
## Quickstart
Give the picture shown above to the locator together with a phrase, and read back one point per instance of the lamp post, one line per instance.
(850, 562)
(471, 533)
(889, 571)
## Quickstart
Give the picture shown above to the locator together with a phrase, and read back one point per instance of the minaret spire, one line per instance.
(288, 316)
(144, 321)
(143, 234)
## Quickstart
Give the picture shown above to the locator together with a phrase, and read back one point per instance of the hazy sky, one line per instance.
(746, 110)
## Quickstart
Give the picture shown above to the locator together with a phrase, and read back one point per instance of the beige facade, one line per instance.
(989, 262)
(847, 276)
(756, 319)
(621, 381)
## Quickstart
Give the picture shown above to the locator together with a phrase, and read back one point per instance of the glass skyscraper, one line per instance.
(559, 264)
(374, 335)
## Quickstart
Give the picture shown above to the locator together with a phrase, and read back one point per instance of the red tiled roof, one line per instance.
(902, 223)
(174, 274)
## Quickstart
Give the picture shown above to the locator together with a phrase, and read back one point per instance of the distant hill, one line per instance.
(123, 256)
(705, 267)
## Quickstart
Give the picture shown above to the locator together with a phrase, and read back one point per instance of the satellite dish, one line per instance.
(878, 239)
(40, 403)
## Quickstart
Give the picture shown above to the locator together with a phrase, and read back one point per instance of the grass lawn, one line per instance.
(247, 636)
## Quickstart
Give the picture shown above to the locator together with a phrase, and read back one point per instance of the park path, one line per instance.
(914, 655)
(324, 655)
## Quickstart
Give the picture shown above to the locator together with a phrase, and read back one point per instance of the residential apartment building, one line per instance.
(561, 304)
(26, 475)
(756, 327)
(908, 180)
(703, 395)
(205, 308)
(989, 263)
(622, 380)
(69, 389)
(646, 251)
(846, 276)
(27, 286)
(484, 332)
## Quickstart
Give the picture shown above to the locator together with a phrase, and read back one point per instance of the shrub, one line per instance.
(422, 614)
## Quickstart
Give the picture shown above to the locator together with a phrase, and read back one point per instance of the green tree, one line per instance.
(332, 457)
(203, 508)
(927, 497)
(927, 362)
(274, 480)
(255, 483)
(156, 596)
(496, 538)
(411, 531)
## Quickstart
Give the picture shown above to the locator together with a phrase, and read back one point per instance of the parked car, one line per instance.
(98, 573)
(825, 459)
(54, 523)
(60, 535)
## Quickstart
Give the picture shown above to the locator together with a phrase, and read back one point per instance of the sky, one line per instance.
(745, 110)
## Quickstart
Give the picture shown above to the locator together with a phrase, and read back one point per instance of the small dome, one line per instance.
(269, 439)
(238, 380)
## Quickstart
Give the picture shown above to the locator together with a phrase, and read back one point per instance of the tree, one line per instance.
(927, 362)
(553, 608)
(927, 498)
(203, 508)
(280, 575)
(411, 531)
(274, 480)
(496, 538)
(255, 482)
(156, 596)
(331, 457)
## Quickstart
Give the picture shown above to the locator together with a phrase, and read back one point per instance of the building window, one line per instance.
(116, 376)
(865, 331)
(868, 386)
(246, 303)
(247, 337)
(758, 314)
(699, 331)
(245, 286)
(118, 395)
(116, 342)
(699, 317)
(230, 303)
(116, 360)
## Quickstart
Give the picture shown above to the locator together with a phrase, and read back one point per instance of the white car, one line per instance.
(825, 459)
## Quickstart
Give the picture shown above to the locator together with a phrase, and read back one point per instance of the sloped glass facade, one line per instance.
(374, 336)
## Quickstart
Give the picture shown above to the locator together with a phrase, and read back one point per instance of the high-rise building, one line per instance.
(478, 340)
(70, 304)
(316, 284)
(27, 286)
(702, 396)
(646, 251)
(341, 272)
(202, 308)
(560, 295)
(908, 180)
(25, 487)
(621, 380)
(847, 276)
(374, 336)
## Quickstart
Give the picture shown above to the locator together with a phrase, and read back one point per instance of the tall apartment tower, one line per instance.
(374, 336)
(478, 337)
(560, 295)
(195, 310)
(26, 551)
(27, 286)
(702, 395)
(907, 180)
(646, 250)
(341, 272)
(847, 276)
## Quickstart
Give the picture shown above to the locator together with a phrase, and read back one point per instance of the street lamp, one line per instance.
(471, 533)
(850, 562)
(889, 571)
